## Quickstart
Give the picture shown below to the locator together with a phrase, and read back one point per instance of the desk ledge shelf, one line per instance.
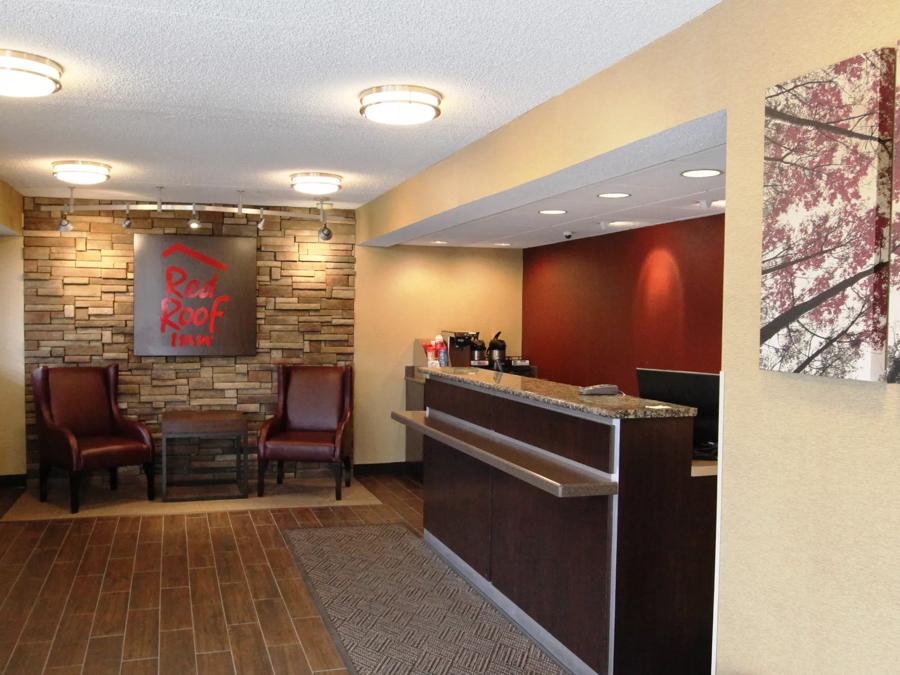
(556, 475)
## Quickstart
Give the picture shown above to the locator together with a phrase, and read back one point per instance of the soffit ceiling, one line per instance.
(648, 169)
(212, 96)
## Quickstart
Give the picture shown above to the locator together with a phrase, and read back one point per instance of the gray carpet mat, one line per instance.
(397, 608)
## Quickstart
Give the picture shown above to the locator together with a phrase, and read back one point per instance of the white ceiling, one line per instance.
(207, 97)
(649, 169)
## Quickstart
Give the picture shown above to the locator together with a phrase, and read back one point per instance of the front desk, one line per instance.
(583, 518)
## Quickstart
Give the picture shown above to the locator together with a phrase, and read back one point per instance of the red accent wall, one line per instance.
(595, 309)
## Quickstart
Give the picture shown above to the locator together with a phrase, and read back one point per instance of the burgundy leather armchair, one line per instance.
(310, 423)
(80, 427)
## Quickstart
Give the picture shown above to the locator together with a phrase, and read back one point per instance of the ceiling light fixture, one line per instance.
(502, 243)
(316, 183)
(81, 172)
(614, 195)
(25, 75)
(262, 220)
(623, 223)
(552, 212)
(325, 233)
(400, 104)
(194, 223)
(439, 242)
(126, 223)
(718, 204)
(701, 173)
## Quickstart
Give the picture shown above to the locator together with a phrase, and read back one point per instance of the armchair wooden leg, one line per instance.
(43, 476)
(348, 470)
(150, 471)
(261, 466)
(114, 478)
(280, 476)
(338, 479)
(74, 486)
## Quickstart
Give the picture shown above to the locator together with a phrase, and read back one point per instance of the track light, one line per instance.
(325, 233)
(262, 220)
(64, 224)
(194, 222)
(126, 223)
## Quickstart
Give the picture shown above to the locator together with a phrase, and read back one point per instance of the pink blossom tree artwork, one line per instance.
(826, 220)
(893, 355)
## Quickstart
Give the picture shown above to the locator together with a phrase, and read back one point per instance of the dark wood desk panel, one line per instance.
(572, 437)
(665, 552)
(458, 503)
(550, 556)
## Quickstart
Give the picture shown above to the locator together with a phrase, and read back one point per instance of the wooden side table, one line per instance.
(205, 424)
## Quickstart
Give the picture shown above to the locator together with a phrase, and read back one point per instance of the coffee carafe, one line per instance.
(479, 349)
(497, 350)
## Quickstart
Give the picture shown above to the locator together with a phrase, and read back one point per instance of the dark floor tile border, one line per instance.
(408, 469)
(13, 480)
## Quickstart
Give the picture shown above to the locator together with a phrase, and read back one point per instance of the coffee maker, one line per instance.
(461, 346)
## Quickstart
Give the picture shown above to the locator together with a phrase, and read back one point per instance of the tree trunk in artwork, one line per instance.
(826, 226)
(893, 360)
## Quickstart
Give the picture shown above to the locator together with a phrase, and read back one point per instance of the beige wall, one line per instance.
(10, 209)
(810, 580)
(12, 340)
(405, 293)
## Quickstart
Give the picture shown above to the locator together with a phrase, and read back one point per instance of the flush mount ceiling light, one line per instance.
(623, 223)
(552, 212)
(439, 242)
(400, 104)
(701, 173)
(502, 243)
(614, 195)
(81, 172)
(316, 183)
(25, 75)
(718, 204)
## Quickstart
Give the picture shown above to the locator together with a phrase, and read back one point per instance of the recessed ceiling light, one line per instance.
(400, 104)
(27, 75)
(718, 204)
(623, 223)
(614, 195)
(501, 243)
(701, 173)
(439, 242)
(316, 183)
(551, 212)
(81, 172)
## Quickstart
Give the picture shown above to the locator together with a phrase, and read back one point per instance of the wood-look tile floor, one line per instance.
(209, 592)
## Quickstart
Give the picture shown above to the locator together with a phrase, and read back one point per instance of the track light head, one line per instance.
(126, 223)
(325, 233)
(262, 220)
(64, 224)
(194, 223)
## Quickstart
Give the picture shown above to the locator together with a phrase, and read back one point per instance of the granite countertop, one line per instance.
(563, 396)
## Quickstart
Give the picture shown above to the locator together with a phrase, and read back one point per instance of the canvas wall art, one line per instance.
(194, 296)
(893, 362)
(826, 220)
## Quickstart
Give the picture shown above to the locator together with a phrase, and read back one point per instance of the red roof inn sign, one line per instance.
(194, 296)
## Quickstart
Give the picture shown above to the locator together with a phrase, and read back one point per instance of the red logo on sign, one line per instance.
(175, 315)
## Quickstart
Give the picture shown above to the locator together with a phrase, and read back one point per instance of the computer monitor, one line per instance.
(698, 390)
